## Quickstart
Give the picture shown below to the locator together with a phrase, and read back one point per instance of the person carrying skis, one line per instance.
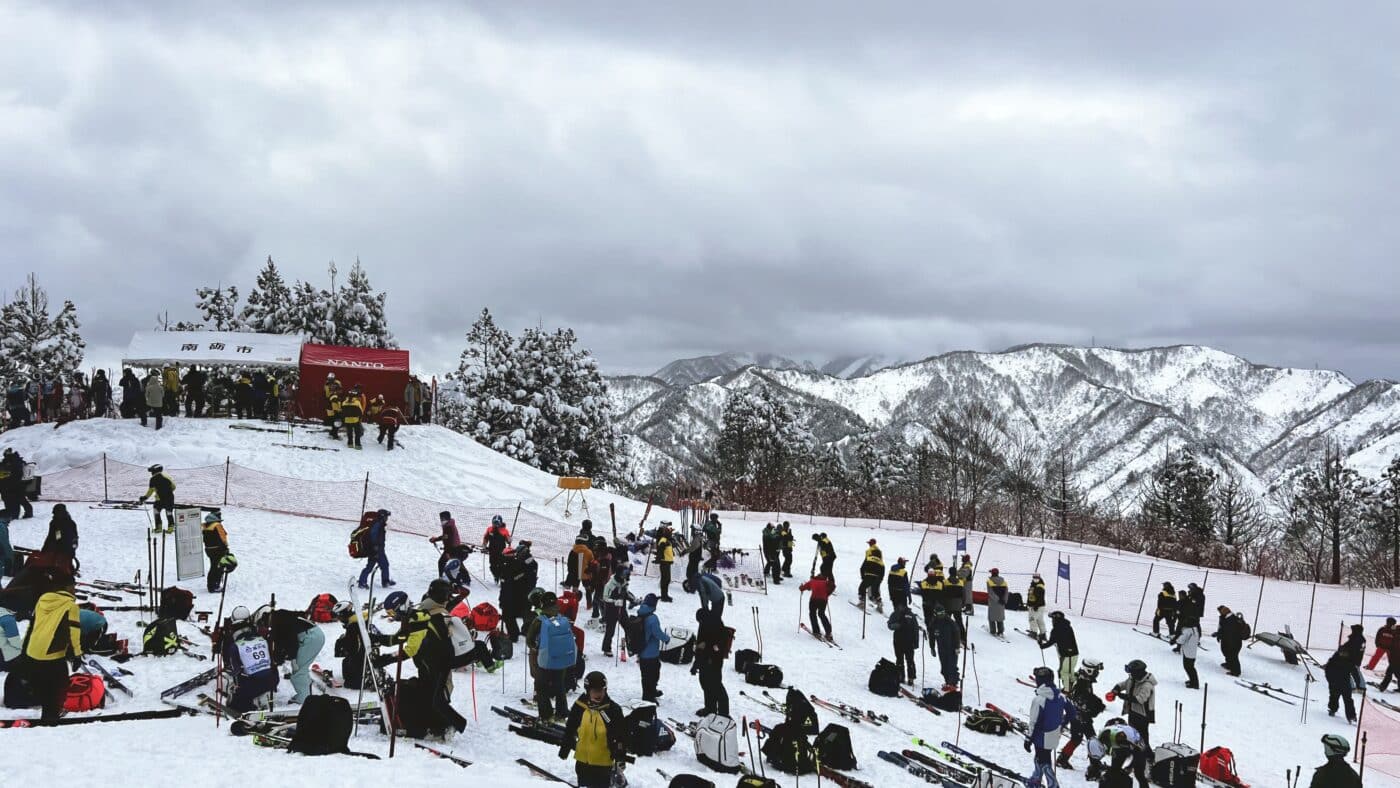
(1186, 641)
(1066, 645)
(601, 573)
(1126, 749)
(822, 587)
(997, 593)
(518, 578)
(897, 584)
(163, 488)
(616, 599)
(1050, 711)
(378, 554)
(945, 640)
(649, 658)
(552, 634)
(1339, 683)
(594, 732)
(1166, 611)
(712, 642)
(448, 540)
(61, 543)
(1139, 694)
(786, 541)
(1035, 606)
(495, 540)
(709, 589)
(1232, 631)
(872, 571)
(1087, 706)
(772, 565)
(1384, 636)
(295, 640)
(1336, 773)
(248, 660)
(54, 639)
(665, 551)
(827, 552)
(904, 623)
(221, 561)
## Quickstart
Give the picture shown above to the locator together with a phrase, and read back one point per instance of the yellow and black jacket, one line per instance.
(594, 732)
(54, 634)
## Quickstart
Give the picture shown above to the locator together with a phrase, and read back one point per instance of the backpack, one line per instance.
(323, 726)
(1245, 631)
(717, 744)
(485, 617)
(176, 603)
(754, 781)
(951, 700)
(501, 646)
(319, 611)
(884, 679)
(160, 639)
(635, 632)
(359, 537)
(463, 644)
(788, 750)
(834, 747)
(18, 693)
(728, 642)
(683, 653)
(987, 721)
(1014, 601)
(1217, 763)
(1174, 765)
(764, 675)
(644, 732)
(745, 657)
(557, 641)
(85, 692)
(799, 711)
(689, 781)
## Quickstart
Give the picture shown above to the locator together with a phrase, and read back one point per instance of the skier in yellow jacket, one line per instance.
(54, 638)
(594, 733)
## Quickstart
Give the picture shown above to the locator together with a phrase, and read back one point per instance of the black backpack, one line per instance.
(788, 750)
(799, 712)
(645, 733)
(18, 693)
(176, 603)
(764, 675)
(410, 706)
(634, 628)
(986, 721)
(945, 701)
(745, 657)
(160, 638)
(679, 655)
(501, 645)
(754, 781)
(834, 747)
(323, 726)
(689, 781)
(884, 679)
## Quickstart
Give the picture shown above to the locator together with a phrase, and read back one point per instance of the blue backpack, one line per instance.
(557, 648)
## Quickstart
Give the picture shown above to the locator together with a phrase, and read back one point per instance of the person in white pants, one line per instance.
(1035, 606)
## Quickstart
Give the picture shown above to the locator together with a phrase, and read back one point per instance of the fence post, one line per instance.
(227, 463)
(1205, 580)
(978, 560)
(1146, 585)
(106, 496)
(1089, 586)
(1363, 604)
(1307, 638)
(1259, 603)
(364, 499)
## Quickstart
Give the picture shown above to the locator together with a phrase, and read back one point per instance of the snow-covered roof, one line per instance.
(213, 347)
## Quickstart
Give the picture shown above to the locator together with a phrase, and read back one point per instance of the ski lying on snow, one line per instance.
(918, 770)
(1272, 688)
(462, 762)
(154, 714)
(1016, 722)
(766, 702)
(1200, 644)
(946, 768)
(1262, 691)
(541, 772)
(974, 757)
(112, 681)
(918, 700)
(841, 778)
(190, 684)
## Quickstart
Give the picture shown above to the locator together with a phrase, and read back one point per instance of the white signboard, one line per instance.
(189, 544)
(156, 348)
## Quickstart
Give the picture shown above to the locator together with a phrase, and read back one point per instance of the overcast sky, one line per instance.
(810, 178)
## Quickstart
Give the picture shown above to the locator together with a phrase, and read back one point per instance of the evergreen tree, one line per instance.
(308, 316)
(878, 472)
(1329, 502)
(1386, 515)
(761, 444)
(358, 313)
(1063, 498)
(269, 308)
(1180, 496)
(219, 307)
(34, 344)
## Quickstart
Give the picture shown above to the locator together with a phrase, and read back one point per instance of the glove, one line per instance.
(1109, 696)
(1028, 745)
(76, 662)
(563, 753)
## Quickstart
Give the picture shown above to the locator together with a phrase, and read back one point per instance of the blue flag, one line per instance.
(1064, 569)
(962, 544)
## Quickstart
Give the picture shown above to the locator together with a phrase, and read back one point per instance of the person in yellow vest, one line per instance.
(332, 394)
(665, 556)
(872, 571)
(376, 407)
(594, 733)
(54, 638)
(352, 410)
(170, 377)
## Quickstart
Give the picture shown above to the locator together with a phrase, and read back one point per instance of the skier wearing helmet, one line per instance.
(163, 488)
(1087, 705)
(1048, 714)
(594, 733)
(496, 540)
(248, 658)
(1336, 773)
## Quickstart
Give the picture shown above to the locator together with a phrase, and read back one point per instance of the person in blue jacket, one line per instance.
(377, 554)
(558, 652)
(649, 660)
(1050, 711)
(710, 591)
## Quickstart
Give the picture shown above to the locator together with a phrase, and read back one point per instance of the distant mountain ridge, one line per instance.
(1116, 411)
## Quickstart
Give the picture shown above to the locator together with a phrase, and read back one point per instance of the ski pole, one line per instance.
(474, 717)
(976, 682)
(862, 620)
(398, 679)
(1205, 700)
(799, 608)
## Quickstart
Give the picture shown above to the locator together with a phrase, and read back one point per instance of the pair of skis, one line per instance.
(918, 700)
(820, 639)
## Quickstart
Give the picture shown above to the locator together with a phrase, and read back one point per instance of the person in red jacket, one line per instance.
(1383, 637)
(389, 420)
(822, 587)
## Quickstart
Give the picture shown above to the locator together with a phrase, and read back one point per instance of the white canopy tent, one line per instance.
(213, 348)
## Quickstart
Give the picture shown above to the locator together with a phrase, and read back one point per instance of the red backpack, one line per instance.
(359, 546)
(319, 611)
(568, 604)
(1218, 763)
(85, 692)
(485, 617)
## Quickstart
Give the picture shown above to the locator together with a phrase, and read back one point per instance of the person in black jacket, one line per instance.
(897, 583)
(1066, 646)
(12, 486)
(519, 573)
(101, 393)
(194, 382)
(133, 398)
(904, 623)
(1355, 649)
(293, 639)
(1231, 632)
(712, 641)
(1197, 597)
(1336, 773)
(1338, 673)
(62, 539)
(1166, 611)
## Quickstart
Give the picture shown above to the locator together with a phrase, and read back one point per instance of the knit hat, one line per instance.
(1334, 746)
(995, 571)
(872, 541)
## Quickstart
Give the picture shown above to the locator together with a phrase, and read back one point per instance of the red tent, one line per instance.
(376, 371)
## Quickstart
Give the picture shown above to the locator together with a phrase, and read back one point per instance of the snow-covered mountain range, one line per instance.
(687, 371)
(1115, 412)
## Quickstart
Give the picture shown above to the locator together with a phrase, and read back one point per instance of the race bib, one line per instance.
(254, 655)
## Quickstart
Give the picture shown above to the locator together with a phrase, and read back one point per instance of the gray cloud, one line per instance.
(811, 179)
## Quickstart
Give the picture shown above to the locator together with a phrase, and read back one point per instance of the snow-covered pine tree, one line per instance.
(485, 390)
(879, 471)
(219, 307)
(358, 313)
(33, 343)
(1181, 495)
(589, 444)
(308, 316)
(761, 443)
(269, 307)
